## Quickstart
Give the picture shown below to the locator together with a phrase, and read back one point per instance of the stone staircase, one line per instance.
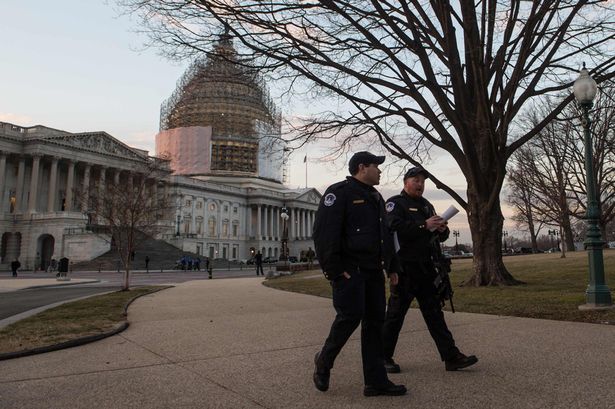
(162, 255)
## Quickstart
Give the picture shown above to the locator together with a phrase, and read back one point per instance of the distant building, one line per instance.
(222, 135)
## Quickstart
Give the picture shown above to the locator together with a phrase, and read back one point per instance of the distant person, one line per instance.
(355, 250)
(197, 264)
(147, 263)
(310, 257)
(419, 232)
(258, 260)
(53, 265)
(15, 266)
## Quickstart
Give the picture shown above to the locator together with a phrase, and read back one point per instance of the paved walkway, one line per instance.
(238, 344)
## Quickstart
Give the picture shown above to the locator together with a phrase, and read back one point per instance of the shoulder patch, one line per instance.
(390, 206)
(329, 199)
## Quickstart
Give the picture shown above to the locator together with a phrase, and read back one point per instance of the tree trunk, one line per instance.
(126, 284)
(486, 227)
(533, 238)
(568, 235)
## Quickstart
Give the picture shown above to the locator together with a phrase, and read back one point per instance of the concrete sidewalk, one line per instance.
(238, 344)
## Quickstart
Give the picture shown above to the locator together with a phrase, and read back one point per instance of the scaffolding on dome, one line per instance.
(221, 92)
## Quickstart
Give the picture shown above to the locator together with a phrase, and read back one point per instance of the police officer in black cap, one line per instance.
(355, 249)
(419, 232)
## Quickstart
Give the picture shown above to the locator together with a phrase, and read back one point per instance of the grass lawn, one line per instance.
(73, 320)
(554, 288)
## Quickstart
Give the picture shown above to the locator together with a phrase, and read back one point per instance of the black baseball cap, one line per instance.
(365, 158)
(417, 170)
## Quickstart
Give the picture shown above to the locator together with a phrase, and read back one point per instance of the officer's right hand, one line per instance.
(434, 222)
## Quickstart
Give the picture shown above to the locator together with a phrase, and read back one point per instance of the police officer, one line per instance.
(419, 232)
(355, 249)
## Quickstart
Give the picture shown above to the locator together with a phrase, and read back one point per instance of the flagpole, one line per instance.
(305, 161)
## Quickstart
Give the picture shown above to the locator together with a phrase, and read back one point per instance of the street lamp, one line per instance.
(178, 222)
(284, 216)
(504, 235)
(597, 295)
(456, 234)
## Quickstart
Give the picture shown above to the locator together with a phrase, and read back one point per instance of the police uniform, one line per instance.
(350, 235)
(406, 216)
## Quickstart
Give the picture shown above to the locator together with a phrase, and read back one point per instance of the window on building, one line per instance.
(235, 230)
(225, 208)
(199, 226)
(235, 209)
(199, 205)
(225, 228)
(212, 207)
(211, 226)
(188, 203)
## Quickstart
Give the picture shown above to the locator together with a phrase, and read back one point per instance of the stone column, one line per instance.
(53, 175)
(266, 222)
(36, 161)
(293, 223)
(249, 231)
(70, 181)
(101, 182)
(21, 170)
(85, 201)
(2, 179)
(259, 236)
(277, 223)
(116, 176)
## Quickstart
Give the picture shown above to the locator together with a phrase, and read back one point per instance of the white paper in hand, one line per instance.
(449, 213)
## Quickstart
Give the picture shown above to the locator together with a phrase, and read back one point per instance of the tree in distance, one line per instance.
(128, 212)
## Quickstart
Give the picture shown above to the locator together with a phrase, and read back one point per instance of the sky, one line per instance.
(80, 66)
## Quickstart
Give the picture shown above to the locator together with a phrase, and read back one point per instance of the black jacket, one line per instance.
(350, 231)
(406, 217)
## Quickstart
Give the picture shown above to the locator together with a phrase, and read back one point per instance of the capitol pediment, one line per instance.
(100, 142)
(311, 196)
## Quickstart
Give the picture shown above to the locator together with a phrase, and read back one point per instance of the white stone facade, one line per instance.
(45, 173)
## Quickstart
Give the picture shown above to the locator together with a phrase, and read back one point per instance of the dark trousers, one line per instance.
(358, 300)
(401, 297)
(259, 267)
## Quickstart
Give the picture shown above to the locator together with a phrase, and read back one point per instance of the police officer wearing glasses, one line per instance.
(419, 232)
(355, 250)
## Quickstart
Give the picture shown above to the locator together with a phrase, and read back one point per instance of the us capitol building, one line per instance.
(221, 134)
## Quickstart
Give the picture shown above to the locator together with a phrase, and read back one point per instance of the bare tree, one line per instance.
(128, 212)
(547, 176)
(522, 195)
(413, 75)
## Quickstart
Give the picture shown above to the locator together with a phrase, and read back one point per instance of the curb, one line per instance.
(59, 285)
(78, 341)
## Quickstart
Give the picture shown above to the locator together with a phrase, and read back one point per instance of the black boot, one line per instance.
(460, 361)
(321, 375)
(389, 389)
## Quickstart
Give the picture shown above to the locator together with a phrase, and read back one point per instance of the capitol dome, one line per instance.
(220, 119)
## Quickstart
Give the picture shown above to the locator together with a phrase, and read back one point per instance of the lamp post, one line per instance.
(456, 234)
(597, 295)
(178, 222)
(284, 253)
(504, 235)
